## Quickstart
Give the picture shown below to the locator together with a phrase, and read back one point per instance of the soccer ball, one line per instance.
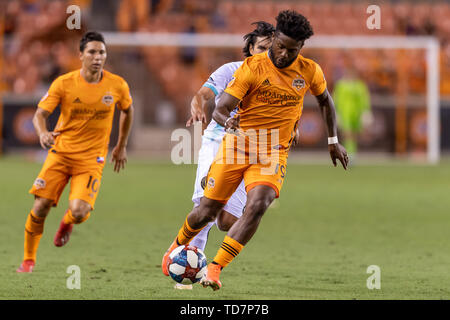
(187, 264)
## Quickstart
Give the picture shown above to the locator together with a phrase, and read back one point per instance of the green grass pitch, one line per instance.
(316, 242)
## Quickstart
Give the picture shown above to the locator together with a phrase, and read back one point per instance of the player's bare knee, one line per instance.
(209, 209)
(80, 210)
(79, 213)
(42, 206)
(209, 213)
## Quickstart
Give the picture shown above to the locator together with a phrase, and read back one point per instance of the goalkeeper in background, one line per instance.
(352, 100)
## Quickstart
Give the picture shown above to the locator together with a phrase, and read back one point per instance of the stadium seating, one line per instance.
(181, 72)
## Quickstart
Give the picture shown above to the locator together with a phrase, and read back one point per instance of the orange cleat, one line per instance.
(211, 279)
(26, 266)
(165, 260)
(63, 234)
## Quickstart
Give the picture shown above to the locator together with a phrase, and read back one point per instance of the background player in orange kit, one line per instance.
(79, 144)
(269, 89)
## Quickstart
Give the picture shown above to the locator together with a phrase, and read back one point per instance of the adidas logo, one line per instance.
(266, 83)
(77, 100)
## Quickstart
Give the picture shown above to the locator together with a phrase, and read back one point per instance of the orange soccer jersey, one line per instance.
(85, 123)
(272, 98)
(87, 111)
(271, 105)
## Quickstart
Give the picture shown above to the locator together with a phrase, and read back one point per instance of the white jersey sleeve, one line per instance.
(220, 78)
(217, 82)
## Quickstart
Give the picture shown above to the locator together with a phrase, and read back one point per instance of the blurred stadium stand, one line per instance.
(38, 48)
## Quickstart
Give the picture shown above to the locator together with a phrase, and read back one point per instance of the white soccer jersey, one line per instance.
(212, 138)
(217, 82)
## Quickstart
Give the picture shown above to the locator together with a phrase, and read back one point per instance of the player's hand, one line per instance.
(196, 116)
(338, 152)
(119, 157)
(47, 139)
(232, 124)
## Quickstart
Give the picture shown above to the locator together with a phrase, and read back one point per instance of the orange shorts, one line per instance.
(56, 172)
(223, 178)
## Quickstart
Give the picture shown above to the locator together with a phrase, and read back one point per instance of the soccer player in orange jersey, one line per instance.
(269, 89)
(79, 143)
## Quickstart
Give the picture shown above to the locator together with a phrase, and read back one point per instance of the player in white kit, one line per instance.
(257, 41)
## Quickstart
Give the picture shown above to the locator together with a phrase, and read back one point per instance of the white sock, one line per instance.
(202, 237)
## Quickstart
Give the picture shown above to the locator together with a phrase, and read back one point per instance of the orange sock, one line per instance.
(34, 228)
(69, 219)
(186, 233)
(229, 249)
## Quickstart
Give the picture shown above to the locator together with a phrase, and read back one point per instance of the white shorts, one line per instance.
(206, 155)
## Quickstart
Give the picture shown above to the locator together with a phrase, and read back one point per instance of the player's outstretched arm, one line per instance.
(223, 109)
(337, 151)
(46, 138)
(201, 103)
(119, 153)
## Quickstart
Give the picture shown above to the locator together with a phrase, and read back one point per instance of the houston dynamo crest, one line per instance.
(298, 83)
(108, 99)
